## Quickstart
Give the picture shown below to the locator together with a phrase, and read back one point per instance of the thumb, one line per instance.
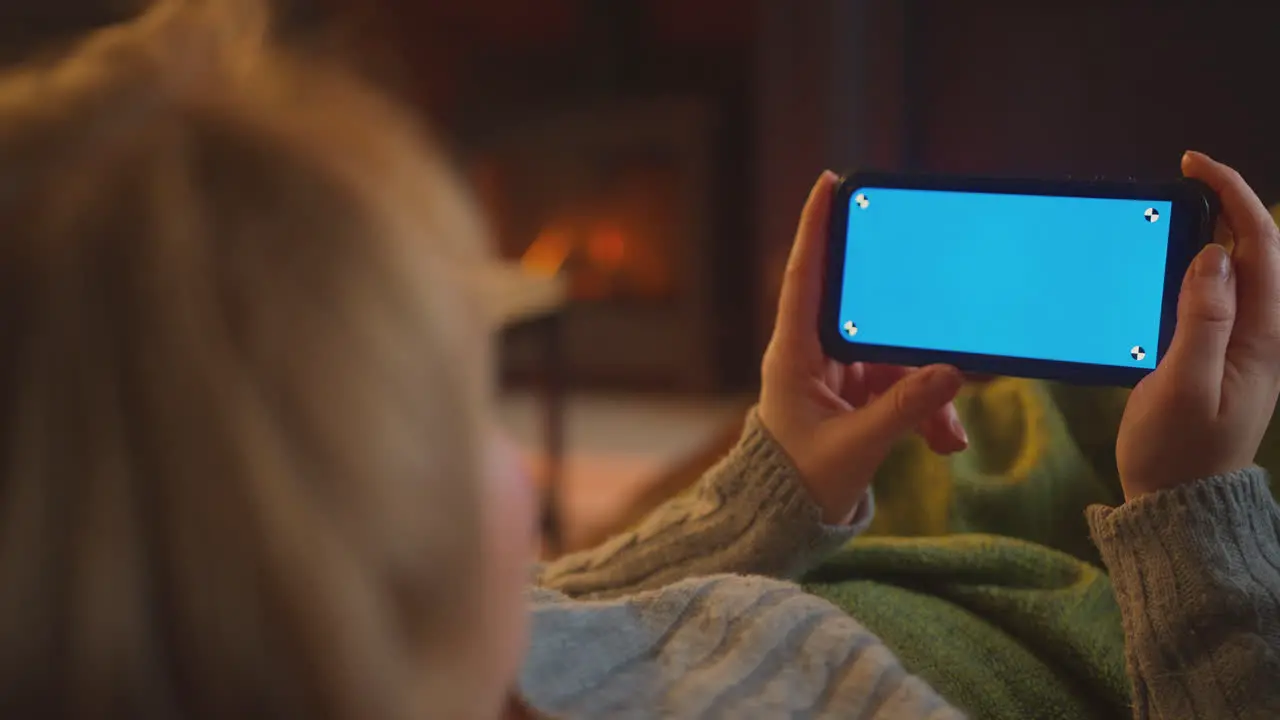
(1206, 315)
(908, 403)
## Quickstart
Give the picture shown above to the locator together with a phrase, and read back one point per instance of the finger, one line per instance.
(880, 377)
(1223, 236)
(903, 408)
(943, 430)
(1256, 255)
(853, 388)
(1206, 316)
(802, 284)
(1243, 211)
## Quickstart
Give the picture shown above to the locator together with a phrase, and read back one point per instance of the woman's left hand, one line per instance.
(836, 422)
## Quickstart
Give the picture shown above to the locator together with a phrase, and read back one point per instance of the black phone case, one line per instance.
(1195, 210)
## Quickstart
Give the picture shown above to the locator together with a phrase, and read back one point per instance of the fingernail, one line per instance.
(826, 178)
(957, 427)
(1213, 262)
(1195, 156)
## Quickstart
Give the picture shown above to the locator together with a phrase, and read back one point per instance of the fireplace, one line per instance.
(615, 197)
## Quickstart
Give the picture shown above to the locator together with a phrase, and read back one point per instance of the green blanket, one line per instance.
(978, 571)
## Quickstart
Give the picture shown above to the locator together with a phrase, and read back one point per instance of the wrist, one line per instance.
(839, 501)
(859, 515)
(841, 512)
(1146, 486)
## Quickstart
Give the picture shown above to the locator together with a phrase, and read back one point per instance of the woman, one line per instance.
(249, 471)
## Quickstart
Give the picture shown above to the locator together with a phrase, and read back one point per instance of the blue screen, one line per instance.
(1050, 278)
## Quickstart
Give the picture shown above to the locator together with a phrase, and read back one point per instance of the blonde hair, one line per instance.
(242, 385)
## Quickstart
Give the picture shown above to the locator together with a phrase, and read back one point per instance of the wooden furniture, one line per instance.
(524, 303)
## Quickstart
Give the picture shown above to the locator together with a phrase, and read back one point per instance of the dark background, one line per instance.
(1049, 88)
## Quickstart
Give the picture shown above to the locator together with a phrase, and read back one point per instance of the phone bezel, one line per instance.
(1191, 227)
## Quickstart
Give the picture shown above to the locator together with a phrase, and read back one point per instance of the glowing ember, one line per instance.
(607, 247)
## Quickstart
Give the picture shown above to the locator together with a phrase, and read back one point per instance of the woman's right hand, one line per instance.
(1204, 410)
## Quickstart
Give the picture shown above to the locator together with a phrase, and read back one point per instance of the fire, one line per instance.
(602, 258)
(607, 247)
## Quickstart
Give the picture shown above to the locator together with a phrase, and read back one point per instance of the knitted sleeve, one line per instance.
(1196, 571)
(748, 515)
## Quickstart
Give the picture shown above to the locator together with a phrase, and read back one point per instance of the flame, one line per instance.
(607, 247)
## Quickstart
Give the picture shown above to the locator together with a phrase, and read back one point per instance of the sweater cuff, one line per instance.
(1195, 571)
(759, 459)
(1230, 507)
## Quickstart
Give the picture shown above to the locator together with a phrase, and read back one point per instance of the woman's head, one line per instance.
(243, 393)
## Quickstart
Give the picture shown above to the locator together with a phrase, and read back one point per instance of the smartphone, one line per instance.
(1075, 281)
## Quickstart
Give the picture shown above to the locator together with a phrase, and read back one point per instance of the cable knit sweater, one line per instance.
(691, 614)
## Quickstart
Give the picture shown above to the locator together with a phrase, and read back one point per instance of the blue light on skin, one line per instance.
(1050, 278)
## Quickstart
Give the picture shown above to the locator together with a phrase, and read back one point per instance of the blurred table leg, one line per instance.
(553, 402)
(534, 306)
